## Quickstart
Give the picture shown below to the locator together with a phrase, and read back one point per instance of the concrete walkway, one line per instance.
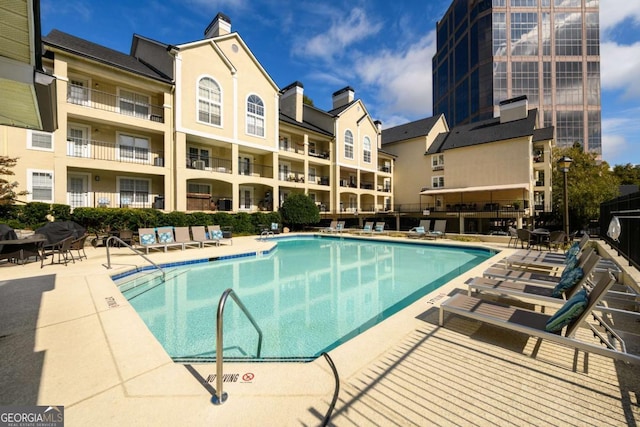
(68, 337)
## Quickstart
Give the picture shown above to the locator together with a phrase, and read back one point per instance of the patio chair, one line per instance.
(340, 226)
(78, 246)
(543, 294)
(61, 248)
(555, 241)
(569, 318)
(200, 235)
(126, 236)
(182, 236)
(524, 237)
(513, 237)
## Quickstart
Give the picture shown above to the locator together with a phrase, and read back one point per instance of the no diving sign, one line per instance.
(244, 378)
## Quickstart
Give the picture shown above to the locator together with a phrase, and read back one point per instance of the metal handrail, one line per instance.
(219, 397)
(119, 240)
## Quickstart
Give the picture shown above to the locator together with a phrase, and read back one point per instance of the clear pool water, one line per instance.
(308, 295)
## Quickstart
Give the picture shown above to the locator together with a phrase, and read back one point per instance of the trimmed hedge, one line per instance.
(34, 214)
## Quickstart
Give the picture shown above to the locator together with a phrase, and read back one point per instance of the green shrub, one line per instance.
(35, 214)
(299, 210)
(61, 212)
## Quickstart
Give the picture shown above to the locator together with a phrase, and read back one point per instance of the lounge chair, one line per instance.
(543, 277)
(532, 255)
(331, 228)
(182, 236)
(439, 229)
(215, 232)
(543, 294)
(378, 228)
(421, 230)
(200, 236)
(340, 226)
(367, 229)
(538, 325)
(163, 240)
(541, 263)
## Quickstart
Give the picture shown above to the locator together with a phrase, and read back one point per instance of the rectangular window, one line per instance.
(40, 185)
(198, 157)
(40, 140)
(133, 149)
(437, 162)
(255, 125)
(134, 192)
(437, 181)
(134, 104)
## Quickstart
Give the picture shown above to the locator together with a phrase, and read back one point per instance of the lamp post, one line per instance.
(563, 164)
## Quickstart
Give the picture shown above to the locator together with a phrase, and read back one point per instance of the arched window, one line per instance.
(209, 101)
(255, 116)
(366, 150)
(348, 144)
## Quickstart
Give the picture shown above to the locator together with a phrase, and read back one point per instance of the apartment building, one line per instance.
(480, 176)
(198, 126)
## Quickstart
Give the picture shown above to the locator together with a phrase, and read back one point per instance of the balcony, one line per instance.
(101, 150)
(122, 199)
(80, 95)
(255, 169)
(366, 185)
(291, 176)
(384, 168)
(211, 164)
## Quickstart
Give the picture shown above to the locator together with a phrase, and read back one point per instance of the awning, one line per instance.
(524, 186)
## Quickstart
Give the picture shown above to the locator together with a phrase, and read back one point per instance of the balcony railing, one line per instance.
(101, 150)
(211, 164)
(291, 176)
(367, 185)
(319, 154)
(384, 168)
(255, 169)
(92, 98)
(123, 199)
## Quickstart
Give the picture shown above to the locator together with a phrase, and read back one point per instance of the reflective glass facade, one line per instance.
(549, 50)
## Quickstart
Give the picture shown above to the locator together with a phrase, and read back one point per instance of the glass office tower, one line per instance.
(493, 50)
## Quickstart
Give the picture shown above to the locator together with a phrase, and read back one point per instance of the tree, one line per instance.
(627, 174)
(589, 183)
(7, 189)
(306, 100)
(299, 210)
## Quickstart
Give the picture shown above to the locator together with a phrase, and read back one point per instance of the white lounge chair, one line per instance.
(536, 324)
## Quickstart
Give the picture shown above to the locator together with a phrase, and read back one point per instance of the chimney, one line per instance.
(514, 109)
(343, 97)
(378, 124)
(220, 26)
(291, 100)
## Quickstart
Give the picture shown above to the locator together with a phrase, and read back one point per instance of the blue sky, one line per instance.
(381, 48)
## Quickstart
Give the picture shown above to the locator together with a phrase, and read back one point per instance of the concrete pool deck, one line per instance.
(68, 337)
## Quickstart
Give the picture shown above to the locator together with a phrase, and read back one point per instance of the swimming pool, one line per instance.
(308, 295)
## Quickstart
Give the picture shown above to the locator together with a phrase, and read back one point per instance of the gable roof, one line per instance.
(304, 124)
(483, 132)
(98, 53)
(409, 130)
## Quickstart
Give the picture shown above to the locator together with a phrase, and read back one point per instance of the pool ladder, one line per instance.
(220, 396)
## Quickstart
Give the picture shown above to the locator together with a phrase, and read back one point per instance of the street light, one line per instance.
(563, 164)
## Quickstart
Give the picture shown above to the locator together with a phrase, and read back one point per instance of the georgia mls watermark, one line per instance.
(31, 416)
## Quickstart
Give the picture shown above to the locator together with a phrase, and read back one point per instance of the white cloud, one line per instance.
(343, 32)
(401, 80)
(620, 67)
(618, 137)
(613, 12)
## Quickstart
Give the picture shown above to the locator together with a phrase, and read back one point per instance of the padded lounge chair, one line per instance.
(558, 258)
(536, 293)
(541, 263)
(168, 239)
(534, 324)
(182, 236)
(200, 235)
(421, 230)
(439, 229)
(533, 275)
(379, 228)
(149, 240)
(367, 229)
(331, 228)
(340, 226)
(215, 232)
